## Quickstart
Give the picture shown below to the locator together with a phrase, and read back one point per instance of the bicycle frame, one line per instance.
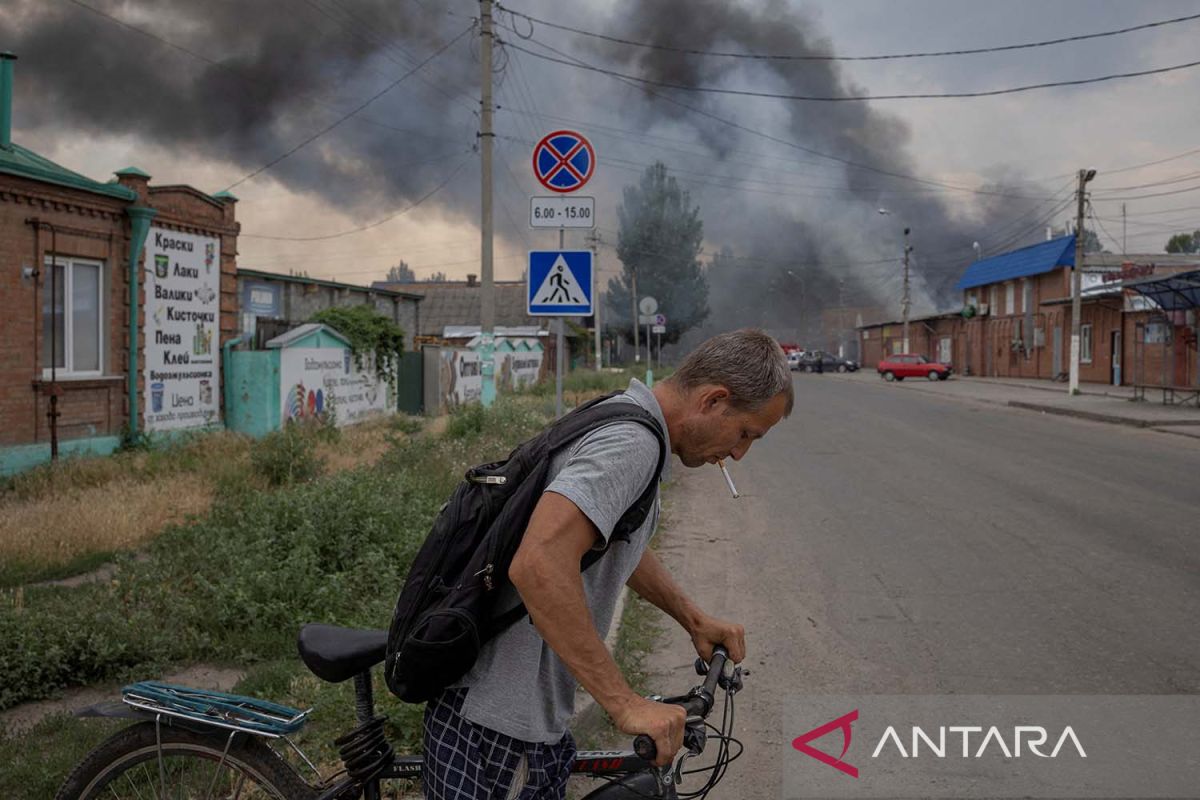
(631, 776)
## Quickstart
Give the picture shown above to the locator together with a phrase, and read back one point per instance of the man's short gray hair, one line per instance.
(749, 363)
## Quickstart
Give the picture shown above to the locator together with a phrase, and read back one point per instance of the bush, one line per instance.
(466, 421)
(288, 455)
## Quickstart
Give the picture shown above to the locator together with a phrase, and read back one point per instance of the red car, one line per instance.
(899, 367)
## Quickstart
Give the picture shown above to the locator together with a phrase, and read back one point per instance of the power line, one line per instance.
(856, 97)
(1144, 196)
(347, 116)
(1096, 221)
(375, 224)
(887, 57)
(383, 47)
(785, 142)
(1179, 179)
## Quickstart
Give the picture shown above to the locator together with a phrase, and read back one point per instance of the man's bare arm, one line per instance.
(654, 584)
(545, 571)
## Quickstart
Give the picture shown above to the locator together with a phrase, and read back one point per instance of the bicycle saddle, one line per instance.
(334, 654)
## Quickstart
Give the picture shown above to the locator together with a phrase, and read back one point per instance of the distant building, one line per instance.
(456, 303)
(1015, 320)
(270, 304)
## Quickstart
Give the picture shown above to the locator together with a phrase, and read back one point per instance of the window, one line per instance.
(1085, 344)
(73, 316)
(1010, 301)
(1027, 305)
(995, 301)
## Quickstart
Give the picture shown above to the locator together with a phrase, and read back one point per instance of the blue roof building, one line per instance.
(1026, 262)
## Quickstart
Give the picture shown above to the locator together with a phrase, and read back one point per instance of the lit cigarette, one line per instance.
(728, 480)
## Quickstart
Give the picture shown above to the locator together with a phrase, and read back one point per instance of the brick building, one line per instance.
(1015, 320)
(81, 293)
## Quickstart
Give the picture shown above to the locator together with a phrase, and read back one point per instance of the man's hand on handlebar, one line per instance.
(662, 722)
(708, 632)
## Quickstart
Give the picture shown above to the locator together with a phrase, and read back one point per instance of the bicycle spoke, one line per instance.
(131, 784)
(241, 783)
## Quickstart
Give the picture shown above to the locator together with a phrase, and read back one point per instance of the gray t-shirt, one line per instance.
(518, 685)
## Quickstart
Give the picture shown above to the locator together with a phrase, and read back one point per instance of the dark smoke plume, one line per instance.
(264, 75)
(259, 77)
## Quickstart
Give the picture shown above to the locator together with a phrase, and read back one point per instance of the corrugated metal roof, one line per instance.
(457, 304)
(28, 164)
(1032, 260)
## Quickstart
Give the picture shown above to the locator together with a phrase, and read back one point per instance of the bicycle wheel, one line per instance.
(193, 766)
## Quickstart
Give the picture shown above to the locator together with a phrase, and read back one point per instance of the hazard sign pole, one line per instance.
(558, 349)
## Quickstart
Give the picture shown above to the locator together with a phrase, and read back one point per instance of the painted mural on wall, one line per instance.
(317, 382)
(518, 368)
(182, 319)
(461, 381)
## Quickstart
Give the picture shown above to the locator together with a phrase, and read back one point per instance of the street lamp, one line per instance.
(904, 302)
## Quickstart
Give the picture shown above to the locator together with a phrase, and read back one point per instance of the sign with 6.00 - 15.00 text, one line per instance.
(182, 350)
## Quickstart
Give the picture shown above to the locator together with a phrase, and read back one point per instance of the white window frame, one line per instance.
(1085, 343)
(1010, 298)
(68, 264)
(995, 305)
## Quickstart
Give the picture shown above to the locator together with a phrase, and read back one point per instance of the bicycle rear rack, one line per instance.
(229, 711)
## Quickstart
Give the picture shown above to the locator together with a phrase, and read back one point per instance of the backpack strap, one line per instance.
(583, 420)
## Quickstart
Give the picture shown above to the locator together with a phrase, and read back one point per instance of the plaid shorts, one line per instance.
(465, 761)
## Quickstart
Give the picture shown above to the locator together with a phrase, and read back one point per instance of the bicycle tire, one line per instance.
(249, 765)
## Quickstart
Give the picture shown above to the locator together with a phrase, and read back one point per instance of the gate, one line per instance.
(409, 383)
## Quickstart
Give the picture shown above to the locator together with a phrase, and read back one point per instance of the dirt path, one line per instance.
(25, 716)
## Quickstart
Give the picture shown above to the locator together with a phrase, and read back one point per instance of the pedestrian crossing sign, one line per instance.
(559, 283)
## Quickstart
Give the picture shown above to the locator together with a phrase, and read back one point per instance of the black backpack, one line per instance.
(448, 609)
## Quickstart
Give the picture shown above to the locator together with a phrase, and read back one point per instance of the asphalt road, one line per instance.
(891, 541)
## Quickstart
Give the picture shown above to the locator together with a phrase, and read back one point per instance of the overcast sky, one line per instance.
(262, 77)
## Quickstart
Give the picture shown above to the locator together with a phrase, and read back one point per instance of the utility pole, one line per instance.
(1124, 247)
(1085, 175)
(633, 300)
(904, 303)
(487, 289)
(594, 241)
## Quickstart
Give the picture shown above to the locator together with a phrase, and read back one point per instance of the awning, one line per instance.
(1179, 292)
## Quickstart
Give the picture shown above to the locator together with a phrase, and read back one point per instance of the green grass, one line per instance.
(235, 585)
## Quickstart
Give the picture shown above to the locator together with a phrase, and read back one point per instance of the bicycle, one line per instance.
(193, 743)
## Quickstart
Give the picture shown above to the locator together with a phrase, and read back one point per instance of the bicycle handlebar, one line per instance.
(697, 704)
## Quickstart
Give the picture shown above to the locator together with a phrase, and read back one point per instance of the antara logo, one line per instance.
(843, 723)
(1034, 737)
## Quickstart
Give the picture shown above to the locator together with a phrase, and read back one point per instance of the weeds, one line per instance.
(288, 455)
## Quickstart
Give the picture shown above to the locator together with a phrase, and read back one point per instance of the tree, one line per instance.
(401, 273)
(1091, 240)
(1184, 243)
(659, 239)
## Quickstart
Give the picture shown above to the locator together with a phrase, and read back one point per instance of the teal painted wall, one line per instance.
(255, 404)
(25, 456)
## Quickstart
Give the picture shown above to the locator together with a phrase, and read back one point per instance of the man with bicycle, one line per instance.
(502, 731)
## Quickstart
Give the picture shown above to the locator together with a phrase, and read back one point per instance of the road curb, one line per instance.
(1074, 412)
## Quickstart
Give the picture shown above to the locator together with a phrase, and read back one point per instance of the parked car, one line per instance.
(793, 359)
(820, 361)
(899, 367)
